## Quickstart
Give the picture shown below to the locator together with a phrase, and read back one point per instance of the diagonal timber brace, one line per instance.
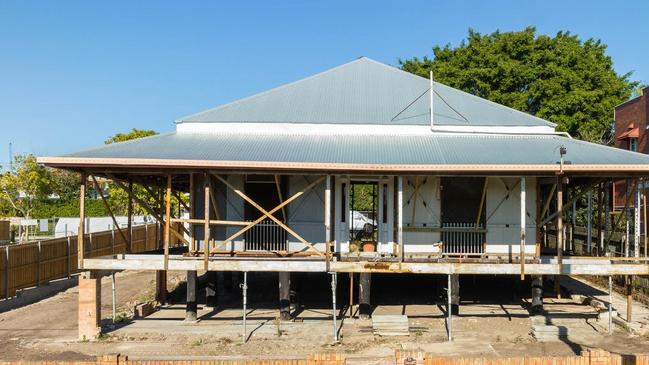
(148, 208)
(269, 214)
(110, 211)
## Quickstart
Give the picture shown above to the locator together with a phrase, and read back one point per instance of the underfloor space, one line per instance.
(493, 321)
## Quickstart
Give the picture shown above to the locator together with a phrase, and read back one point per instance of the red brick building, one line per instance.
(631, 133)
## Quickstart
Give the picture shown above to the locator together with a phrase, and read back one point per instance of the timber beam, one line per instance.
(548, 266)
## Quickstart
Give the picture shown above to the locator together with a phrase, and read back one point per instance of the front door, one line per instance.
(364, 214)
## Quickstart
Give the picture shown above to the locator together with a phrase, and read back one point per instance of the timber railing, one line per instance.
(36, 263)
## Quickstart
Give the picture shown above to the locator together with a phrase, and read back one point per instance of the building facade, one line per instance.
(362, 169)
(631, 124)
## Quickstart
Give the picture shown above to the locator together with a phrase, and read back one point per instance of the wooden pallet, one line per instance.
(390, 325)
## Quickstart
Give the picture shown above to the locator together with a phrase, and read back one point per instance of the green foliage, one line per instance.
(65, 184)
(561, 79)
(68, 208)
(133, 134)
(363, 197)
(26, 183)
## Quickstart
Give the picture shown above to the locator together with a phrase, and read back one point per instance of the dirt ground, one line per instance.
(493, 321)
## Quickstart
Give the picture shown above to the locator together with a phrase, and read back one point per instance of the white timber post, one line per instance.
(589, 223)
(112, 238)
(327, 211)
(402, 247)
(523, 214)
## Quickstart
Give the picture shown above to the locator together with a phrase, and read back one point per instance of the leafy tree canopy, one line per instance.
(26, 183)
(133, 134)
(561, 79)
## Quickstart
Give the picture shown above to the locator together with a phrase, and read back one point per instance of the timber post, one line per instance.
(206, 224)
(129, 227)
(6, 271)
(402, 247)
(628, 280)
(522, 231)
(211, 289)
(38, 264)
(191, 306)
(284, 295)
(192, 214)
(557, 278)
(537, 295)
(167, 222)
(455, 294)
(82, 220)
(364, 292)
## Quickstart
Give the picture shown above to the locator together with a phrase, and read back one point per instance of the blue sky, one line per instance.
(73, 73)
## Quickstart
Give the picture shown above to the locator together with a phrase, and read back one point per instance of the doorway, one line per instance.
(362, 223)
(268, 191)
(461, 199)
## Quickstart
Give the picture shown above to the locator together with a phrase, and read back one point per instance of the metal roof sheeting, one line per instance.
(432, 149)
(366, 92)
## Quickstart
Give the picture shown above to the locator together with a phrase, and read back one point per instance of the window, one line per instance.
(633, 144)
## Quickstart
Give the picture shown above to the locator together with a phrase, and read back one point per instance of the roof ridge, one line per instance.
(276, 88)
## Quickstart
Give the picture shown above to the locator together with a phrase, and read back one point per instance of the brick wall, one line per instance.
(589, 357)
(633, 112)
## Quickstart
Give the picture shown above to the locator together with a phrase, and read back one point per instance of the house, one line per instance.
(451, 184)
(631, 124)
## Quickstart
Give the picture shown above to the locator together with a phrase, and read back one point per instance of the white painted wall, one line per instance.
(306, 214)
(386, 228)
(341, 233)
(503, 215)
(350, 129)
(235, 210)
(425, 215)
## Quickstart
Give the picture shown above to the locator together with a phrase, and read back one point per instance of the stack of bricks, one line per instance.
(601, 357)
(89, 307)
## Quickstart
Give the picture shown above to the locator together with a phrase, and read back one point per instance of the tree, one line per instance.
(65, 184)
(26, 183)
(561, 79)
(118, 199)
(133, 134)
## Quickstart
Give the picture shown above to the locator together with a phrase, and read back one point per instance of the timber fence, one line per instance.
(588, 357)
(36, 263)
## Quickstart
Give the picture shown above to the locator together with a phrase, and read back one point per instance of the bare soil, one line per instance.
(493, 321)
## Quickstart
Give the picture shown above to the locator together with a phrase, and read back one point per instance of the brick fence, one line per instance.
(588, 357)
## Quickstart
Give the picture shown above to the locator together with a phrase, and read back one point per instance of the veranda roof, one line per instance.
(441, 152)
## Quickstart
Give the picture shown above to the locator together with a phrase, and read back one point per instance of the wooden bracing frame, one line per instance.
(269, 214)
(148, 208)
(574, 198)
(110, 211)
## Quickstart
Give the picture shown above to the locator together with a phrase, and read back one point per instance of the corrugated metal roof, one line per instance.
(433, 149)
(366, 92)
